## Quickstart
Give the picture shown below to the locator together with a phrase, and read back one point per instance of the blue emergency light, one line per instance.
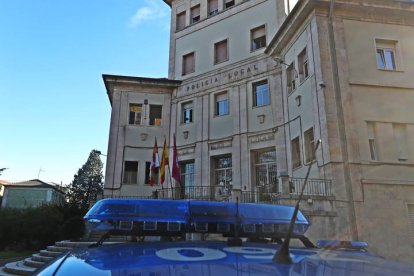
(146, 217)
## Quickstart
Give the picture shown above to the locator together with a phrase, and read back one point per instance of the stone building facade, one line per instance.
(253, 85)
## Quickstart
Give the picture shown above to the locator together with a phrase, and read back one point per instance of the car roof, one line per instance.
(217, 258)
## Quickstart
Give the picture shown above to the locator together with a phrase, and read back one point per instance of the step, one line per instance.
(4, 273)
(50, 253)
(61, 249)
(19, 268)
(71, 244)
(39, 258)
(33, 263)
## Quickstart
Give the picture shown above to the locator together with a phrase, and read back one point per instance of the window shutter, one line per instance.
(212, 6)
(221, 97)
(180, 21)
(221, 51)
(258, 32)
(195, 11)
(188, 64)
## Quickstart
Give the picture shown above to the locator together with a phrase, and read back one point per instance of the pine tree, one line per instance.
(87, 183)
(2, 169)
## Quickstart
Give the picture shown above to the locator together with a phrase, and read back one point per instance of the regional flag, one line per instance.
(175, 169)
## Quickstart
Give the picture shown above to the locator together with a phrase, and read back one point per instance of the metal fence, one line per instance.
(260, 197)
(317, 187)
(192, 192)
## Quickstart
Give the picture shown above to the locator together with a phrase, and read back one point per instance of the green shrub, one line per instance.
(35, 228)
(73, 228)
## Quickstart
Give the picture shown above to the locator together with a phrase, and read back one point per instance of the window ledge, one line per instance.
(219, 116)
(391, 70)
(220, 62)
(260, 106)
(255, 50)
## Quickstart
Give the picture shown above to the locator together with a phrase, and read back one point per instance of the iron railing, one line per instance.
(316, 187)
(214, 193)
(260, 197)
(263, 194)
(127, 197)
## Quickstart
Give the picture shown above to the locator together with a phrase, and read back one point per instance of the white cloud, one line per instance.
(153, 10)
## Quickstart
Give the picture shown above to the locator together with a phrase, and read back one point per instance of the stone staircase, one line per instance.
(29, 265)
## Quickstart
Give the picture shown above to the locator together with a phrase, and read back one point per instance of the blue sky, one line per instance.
(53, 105)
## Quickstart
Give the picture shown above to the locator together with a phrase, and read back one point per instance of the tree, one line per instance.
(2, 169)
(87, 183)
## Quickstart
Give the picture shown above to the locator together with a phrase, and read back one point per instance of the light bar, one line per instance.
(175, 217)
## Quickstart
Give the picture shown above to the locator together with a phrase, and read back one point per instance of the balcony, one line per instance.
(314, 187)
(260, 197)
(213, 193)
(321, 188)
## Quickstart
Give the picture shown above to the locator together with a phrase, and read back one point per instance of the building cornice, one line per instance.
(113, 82)
(168, 2)
(382, 11)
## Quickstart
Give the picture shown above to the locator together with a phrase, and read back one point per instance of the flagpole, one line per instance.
(169, 174)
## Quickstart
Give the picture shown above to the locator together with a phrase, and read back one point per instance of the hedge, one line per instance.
(36, 228)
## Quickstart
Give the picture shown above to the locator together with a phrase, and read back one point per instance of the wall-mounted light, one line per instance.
(185, 134)
(261, 118)
(298, 100)
(144, 136)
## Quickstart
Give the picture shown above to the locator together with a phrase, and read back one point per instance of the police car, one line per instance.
(181, 237)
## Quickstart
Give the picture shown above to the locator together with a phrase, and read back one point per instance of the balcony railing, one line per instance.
(214, 193)
(314, 187)
(263, 194)
(127, 197)
(260, 197)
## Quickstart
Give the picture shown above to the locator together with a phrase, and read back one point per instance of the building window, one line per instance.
(303, 65)
(400, 136)
(386, 50)
(187, 176)
(266, 170)
(155, 115)
(195, 14)
(296, 162)
(228, 4)
(130, 172)
(372, 140)
(188, 64)
(212, 7)
(180, 21)
(222, 104)
(261, 93)
(291, 77)
(223, 173)
(220, 52)
(258, 38)
(135, 114)
(411, 220)
(187, 112)
(309, 145)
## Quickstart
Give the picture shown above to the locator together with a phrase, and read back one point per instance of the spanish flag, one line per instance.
(164, 161)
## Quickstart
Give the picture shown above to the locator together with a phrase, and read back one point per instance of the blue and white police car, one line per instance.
(181, 237)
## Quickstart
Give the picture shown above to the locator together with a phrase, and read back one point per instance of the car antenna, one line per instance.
(282, 255)
(235, 241)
